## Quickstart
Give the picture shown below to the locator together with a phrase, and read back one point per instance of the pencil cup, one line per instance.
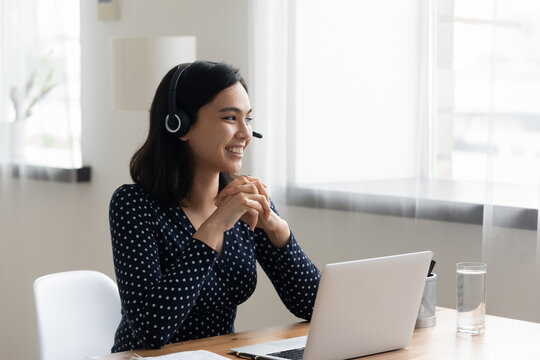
(426, 313)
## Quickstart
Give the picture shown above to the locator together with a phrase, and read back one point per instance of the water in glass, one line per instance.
(471, 300)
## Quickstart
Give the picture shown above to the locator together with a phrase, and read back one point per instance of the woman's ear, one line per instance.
(187, 135)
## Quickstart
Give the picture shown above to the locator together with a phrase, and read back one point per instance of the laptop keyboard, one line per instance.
(293, 354)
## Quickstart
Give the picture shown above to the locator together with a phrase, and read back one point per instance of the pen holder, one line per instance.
(426, 313)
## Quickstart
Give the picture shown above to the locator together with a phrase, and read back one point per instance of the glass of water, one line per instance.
(471, 297)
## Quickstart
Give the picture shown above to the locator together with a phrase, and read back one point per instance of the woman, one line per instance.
(185, 236)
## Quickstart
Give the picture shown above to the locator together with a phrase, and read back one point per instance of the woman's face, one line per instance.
(222, 132)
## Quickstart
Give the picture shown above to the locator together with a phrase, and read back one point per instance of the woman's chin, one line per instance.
(233, 168)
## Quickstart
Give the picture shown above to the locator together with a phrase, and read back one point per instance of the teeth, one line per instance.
(236, 150)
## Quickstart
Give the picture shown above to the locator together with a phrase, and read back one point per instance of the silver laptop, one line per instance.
(362, 307)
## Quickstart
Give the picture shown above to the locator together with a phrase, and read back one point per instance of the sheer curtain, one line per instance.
(40, 93)
(430, 116)
(506, 116)
(270, 91)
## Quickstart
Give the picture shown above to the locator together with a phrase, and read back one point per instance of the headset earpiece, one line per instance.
(177, 122)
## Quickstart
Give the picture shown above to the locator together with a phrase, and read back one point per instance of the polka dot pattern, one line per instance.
(175, 288)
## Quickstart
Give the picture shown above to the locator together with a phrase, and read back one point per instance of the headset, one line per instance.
(177, 121)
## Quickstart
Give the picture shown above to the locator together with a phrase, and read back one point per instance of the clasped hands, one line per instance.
(246, 198)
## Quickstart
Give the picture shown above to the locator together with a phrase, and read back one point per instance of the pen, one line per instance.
(252, 357)
(431, 266)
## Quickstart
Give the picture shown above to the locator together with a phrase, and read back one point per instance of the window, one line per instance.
(392, 94)
(40, 112)
(489, 67)
(357, 90)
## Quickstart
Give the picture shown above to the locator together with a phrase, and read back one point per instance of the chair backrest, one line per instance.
(77, 314)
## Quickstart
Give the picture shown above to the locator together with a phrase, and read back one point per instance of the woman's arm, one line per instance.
(155, 302)
(294, 276)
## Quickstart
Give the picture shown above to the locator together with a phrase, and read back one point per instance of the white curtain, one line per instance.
(40, 92)
(511, 160)
(431, 115)
(270, 90)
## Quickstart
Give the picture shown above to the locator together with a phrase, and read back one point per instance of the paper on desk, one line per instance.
(184, 355)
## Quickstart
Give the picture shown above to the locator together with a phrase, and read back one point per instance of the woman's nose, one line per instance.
(244, 130)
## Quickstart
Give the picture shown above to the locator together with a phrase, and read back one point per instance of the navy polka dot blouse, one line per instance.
(174, 287)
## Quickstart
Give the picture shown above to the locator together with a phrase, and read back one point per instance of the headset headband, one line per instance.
(172, 89)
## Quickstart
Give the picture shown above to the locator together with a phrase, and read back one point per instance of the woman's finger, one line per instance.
(250, 216)
(237, 181)
(254, 216)
(248, 188)
(246, 184)
(262, 190)
(259, 203)
(254, 205)
(251, 179)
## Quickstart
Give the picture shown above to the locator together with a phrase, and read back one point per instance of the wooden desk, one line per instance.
(504, 339)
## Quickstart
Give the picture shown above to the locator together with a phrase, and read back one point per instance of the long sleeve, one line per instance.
(155, 302)
(174, 287)
(294, 276)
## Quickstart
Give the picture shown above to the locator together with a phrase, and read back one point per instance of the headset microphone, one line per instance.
(257, 135)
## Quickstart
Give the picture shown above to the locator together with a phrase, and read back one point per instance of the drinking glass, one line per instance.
(471, 297)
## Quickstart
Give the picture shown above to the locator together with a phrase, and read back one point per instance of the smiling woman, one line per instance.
(186, 236)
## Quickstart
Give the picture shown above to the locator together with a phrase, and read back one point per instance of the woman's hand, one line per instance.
(260, 213)
(245, 184)
(249, 185)
(231, 209)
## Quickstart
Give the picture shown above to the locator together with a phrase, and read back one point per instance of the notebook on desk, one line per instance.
(362, 307)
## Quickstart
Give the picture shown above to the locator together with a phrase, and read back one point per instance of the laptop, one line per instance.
(362, 307)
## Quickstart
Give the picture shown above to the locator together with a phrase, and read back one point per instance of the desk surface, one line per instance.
(503, 339)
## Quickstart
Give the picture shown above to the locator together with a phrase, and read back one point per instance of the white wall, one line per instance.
(49, 227)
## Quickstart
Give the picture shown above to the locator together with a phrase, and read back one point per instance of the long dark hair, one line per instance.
(163, 165)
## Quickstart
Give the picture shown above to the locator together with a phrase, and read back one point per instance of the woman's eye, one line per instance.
(233, 118)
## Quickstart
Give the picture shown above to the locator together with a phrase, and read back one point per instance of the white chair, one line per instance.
(77, 314)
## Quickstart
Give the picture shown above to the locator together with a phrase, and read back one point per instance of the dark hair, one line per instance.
(163, 165)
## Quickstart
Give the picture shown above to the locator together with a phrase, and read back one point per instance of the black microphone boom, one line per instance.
(257, 135)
